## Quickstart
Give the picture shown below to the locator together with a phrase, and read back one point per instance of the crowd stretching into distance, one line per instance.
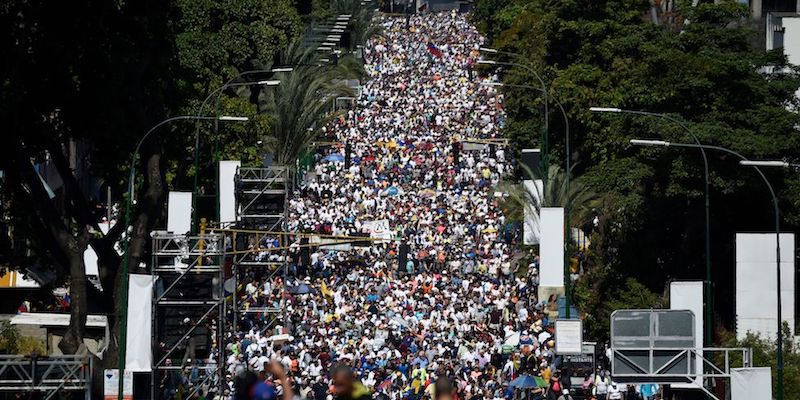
(460, 307)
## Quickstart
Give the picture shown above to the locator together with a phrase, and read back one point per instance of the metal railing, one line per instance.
(48, 374)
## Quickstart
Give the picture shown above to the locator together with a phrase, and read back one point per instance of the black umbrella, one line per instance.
(301, 289)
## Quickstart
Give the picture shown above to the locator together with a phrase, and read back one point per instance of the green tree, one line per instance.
(97, 76)
(765, 355)
(707, 73)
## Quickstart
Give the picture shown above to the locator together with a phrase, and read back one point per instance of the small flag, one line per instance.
(434, 50)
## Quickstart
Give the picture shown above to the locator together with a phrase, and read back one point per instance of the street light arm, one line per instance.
(560, 107)
(736, 154)
(153, 129)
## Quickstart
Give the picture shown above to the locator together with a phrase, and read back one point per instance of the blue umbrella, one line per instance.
(524, 382)
(334, 157)
(392, 191)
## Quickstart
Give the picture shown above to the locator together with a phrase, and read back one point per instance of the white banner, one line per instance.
(569, 336)
(532, 230)
(227, 191)
(138, 355)
(689, 296)
(751, 383)
(378, 229)
(551, 264)
(179, 212)
(756, 283)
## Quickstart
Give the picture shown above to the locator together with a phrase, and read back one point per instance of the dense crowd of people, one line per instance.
(440, 299)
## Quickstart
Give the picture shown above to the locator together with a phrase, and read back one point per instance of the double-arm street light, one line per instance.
(776, 210)
(709, 298)
(567, 281)
(544, 161)
(126, 242)
(216, 93)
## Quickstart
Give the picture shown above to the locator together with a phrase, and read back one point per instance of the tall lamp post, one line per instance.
(709, 298)
(125, 256)
(544, 161)
(776, 210)
(567, 281)
(201, 110)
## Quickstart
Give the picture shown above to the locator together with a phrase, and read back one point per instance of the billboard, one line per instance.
(551, 248)
(653, 346)
(756, 283)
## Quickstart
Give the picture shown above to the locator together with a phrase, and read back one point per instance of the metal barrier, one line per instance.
(47, 374)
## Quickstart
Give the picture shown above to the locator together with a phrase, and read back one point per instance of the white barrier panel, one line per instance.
(756, 283)
(791, 39)
(179, 212)
(227, 191)
(531, 229)
(689, 296)
(551, 264)
(140, 298)
(751, 383)
(90, 262)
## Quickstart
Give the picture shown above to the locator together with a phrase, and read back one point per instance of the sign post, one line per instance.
(569, 336)
(111, 385)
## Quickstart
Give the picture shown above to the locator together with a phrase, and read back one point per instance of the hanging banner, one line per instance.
(138, 356)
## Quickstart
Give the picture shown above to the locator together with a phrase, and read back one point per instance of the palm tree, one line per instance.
(302, 103)
(580, 200)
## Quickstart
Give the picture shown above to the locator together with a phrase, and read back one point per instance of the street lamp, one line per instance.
(776, 210)
(125, 256)
(567, 281)
(709, 304)
(215, 93)
(768, 163)
(544, 160)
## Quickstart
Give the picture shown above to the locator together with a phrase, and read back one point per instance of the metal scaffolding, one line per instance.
(188, 308)
(48, 375)
(261, 219)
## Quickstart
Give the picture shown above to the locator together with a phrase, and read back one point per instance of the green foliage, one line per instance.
(581, 200)
(705, 73)
(9, 338)
(12, 342)
(765, 355)
(601, 292)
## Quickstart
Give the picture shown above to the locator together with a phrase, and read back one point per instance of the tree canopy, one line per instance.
(708, 74)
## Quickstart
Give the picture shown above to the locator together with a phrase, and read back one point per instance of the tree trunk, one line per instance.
(149, 208)
(73, 339)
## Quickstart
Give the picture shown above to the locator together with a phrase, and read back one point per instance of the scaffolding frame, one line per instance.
(176, 258)
(717, 362)
(49, 375)
(254, 186)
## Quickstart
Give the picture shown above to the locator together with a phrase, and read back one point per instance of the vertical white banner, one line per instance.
(751, 383)
(756, 283)
(179, 212)
(227, 191)
(532, 231)
(138, 355)
(551, 248)
(689, 296)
